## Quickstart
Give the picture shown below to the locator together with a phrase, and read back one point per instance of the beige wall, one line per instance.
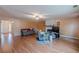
(20, 24)
(0, 28)
(17, 25)
(51, 22)
(69, 27)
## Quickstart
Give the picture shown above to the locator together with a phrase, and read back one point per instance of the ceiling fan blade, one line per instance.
(29, 16)
(75, 6)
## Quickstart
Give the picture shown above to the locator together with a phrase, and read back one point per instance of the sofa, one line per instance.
(28, 31)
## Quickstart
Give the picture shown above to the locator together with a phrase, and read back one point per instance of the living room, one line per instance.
(26, 22)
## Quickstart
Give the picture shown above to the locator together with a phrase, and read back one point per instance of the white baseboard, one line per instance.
(69, 37)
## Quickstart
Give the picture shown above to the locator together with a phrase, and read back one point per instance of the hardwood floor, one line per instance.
(29, 44)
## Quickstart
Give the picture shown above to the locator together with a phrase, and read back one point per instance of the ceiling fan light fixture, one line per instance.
(38, 16)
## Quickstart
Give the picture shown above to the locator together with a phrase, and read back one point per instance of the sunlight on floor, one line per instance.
(6, 41)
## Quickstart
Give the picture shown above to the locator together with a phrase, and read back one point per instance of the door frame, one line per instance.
(9, 27)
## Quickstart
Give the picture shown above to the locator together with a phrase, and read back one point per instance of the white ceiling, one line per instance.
(50, 11)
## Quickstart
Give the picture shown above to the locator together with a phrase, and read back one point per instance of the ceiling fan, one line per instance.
(35, 15)
(74, 6)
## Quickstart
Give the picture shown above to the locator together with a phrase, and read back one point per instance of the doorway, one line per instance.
(5, 27)
(6, 34)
